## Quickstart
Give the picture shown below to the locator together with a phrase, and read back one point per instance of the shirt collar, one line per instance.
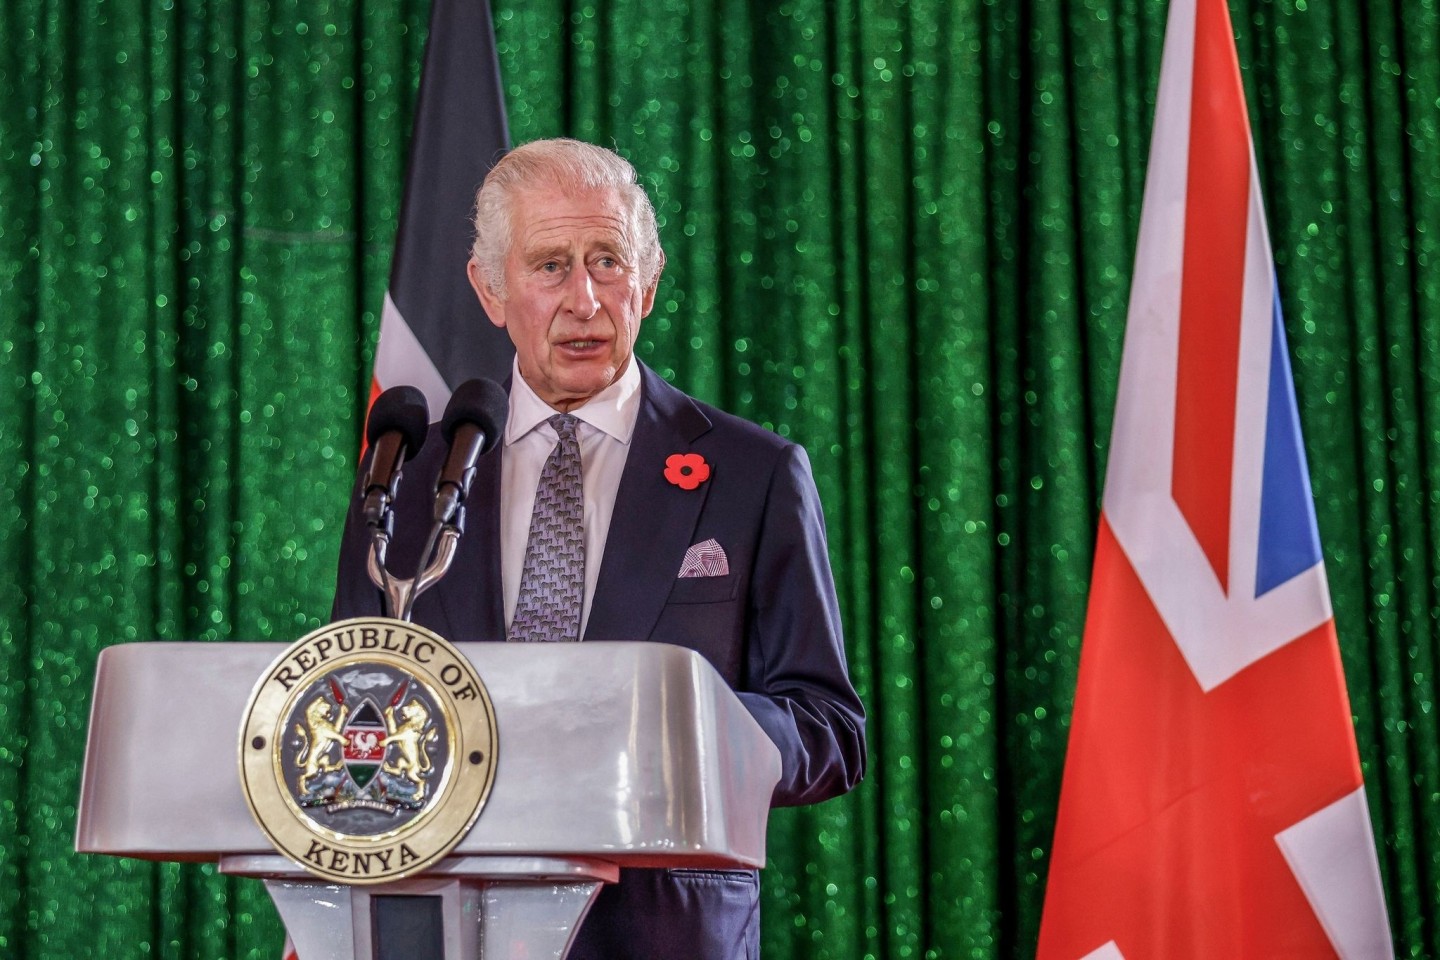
(612, 411)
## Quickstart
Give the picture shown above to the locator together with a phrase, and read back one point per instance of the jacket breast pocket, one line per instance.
(703, 589)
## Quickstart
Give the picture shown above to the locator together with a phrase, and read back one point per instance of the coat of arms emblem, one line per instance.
(350, 753)
(368, 749)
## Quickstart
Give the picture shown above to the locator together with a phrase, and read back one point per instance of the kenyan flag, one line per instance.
(433, 332)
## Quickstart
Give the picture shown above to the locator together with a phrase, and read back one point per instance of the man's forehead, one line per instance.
(541, 202)
(542, 216)
(564, 222)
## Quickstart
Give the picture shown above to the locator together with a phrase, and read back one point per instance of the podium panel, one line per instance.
(609, 755)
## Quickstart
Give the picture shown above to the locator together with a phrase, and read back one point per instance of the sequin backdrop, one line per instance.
(898, 232)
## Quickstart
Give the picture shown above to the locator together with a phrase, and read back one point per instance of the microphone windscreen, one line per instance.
(481, 402)
(400, 408)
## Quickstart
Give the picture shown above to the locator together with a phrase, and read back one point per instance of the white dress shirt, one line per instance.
(607, 422)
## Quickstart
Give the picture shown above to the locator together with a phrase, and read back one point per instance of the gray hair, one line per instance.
(574, 167)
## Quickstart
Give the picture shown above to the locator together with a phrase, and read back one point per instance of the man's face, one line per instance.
(574, 296)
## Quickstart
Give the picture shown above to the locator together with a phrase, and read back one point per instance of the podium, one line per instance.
(609, 755)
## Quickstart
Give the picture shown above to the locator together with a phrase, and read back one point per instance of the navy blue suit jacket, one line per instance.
(771, 628)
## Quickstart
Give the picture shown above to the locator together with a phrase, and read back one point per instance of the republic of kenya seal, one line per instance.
(367, 750)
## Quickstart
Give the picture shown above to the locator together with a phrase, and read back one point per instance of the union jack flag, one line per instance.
(1212, 803)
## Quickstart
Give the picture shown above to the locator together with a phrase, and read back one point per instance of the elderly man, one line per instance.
(589, 526)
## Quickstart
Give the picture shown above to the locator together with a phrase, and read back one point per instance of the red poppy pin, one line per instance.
(686, 470)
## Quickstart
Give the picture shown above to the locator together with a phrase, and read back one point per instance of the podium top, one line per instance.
(634, 753)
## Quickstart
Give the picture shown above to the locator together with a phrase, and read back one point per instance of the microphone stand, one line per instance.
(400, 594)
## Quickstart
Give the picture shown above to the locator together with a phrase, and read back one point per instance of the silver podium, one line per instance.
(610, 755)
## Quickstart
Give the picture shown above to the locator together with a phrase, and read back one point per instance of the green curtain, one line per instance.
(898, 232)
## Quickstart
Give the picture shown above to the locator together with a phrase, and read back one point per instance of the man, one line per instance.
(699, 529)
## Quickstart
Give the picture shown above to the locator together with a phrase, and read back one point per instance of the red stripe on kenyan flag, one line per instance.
(375, 391)
(1218, 178)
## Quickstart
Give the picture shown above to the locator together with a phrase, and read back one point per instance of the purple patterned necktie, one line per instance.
(552, 581)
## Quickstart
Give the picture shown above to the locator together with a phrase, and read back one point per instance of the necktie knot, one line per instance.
(564, 424)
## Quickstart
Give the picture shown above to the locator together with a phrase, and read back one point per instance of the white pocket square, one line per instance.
(705, 560)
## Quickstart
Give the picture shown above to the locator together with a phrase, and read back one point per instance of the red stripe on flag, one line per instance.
(375, 392)
(1172, 797)
(1217, 203)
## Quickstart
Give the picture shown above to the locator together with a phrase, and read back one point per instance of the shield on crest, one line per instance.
(364, 744)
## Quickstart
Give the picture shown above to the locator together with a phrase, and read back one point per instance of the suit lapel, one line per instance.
(653, 521)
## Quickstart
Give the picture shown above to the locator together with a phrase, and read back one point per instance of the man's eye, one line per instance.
(609, 263)
(550, 266)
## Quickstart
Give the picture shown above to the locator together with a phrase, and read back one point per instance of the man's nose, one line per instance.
(581, 291)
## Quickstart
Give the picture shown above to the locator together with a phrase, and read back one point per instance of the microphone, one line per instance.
(396, 431)
(471, 426)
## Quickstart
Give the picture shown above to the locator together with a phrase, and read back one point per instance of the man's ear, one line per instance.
(494, 305)
(649, 300)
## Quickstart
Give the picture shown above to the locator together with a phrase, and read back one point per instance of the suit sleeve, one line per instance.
(797, 685)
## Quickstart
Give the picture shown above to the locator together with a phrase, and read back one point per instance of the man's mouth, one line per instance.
(581, 344)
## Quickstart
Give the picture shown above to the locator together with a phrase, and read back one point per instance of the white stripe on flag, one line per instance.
(1332, 854)
(400, 359)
